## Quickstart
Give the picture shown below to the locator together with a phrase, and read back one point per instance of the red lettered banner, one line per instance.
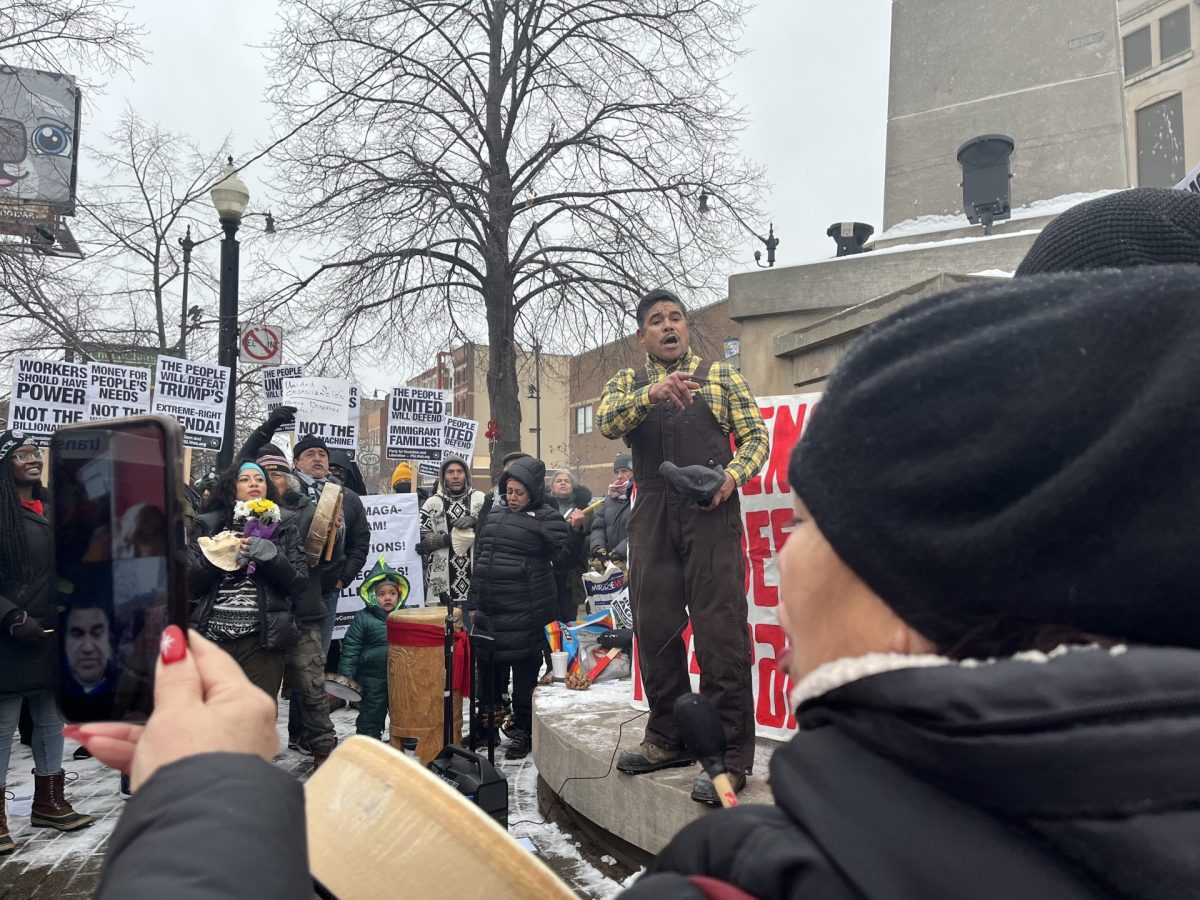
(766, 511)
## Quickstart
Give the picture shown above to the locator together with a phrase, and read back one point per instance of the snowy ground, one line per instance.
(48, 864)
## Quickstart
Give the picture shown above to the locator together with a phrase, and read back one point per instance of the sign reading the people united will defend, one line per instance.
(273, 379)
(458, 440)
(194, 394)
(114, 391)
(416, 418)
(395, 529)
(326, 408)
(46, 394)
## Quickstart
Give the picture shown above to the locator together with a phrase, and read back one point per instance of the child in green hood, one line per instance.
(364, 649)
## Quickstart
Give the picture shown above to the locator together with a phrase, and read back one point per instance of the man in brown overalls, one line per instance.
(684, 558)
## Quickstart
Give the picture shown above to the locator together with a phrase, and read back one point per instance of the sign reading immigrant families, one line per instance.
(766, 501)
(114, 391)
(46, 394)
(416, 420)
(193, 393)
(395, 521)
(326, 408)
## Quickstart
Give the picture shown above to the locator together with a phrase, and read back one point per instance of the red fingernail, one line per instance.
(174, 645)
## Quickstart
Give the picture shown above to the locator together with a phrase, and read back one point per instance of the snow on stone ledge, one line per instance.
(1036, 209)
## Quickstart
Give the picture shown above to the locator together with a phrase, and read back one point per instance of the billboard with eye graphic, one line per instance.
(39, 131)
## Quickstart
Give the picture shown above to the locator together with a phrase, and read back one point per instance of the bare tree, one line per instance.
(490, 163)
(55, 35)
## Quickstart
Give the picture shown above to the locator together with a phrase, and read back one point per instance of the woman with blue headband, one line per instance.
(243, 587)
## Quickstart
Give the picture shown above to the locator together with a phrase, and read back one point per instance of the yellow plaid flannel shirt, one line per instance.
(622, 409)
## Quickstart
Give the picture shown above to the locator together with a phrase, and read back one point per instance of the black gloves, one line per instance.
(280, 416)
(464, 522)
(433, 542)
(257, 549)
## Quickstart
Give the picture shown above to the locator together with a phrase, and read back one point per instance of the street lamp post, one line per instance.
(187, 244)
(230, 196)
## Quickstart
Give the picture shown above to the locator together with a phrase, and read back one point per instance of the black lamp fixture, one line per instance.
(986, 173)
(230, 196)
(771, 242)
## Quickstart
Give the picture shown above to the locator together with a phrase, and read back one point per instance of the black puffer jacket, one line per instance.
(279, 580)
(1071, 777)
(513, 590)
(610, 527)
(30, 667)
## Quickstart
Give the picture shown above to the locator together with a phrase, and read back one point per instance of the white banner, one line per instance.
(194, 393)
(115, 391)
(766, 501)
(416, 418)
(46, 394)
(273, 379)
(395, 522)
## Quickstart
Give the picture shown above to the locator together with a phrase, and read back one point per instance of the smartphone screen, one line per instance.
(117, 529)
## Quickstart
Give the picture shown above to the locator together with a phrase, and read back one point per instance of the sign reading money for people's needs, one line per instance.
(416, 417)
(194, 393)
(46, 394)
(326, 408)
(114, 391)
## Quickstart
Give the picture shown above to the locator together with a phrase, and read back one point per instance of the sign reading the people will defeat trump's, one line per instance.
(766, 501)
(395, 521)
(416, 419)
(193, 393)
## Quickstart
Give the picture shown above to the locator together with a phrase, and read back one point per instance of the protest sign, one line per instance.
(194, 393)
(46, 394)
(395, 529)
(766, 502)
(273, 379)
(114, 391)
(416, 418)
(336, 437)
(458, 440)
(320, 401)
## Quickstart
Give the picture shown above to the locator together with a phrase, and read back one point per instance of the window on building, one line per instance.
(1160, 143)
(1175, 33)
(1138, 56)
(583, 419)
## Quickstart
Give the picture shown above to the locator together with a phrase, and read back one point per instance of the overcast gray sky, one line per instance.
(814, 84)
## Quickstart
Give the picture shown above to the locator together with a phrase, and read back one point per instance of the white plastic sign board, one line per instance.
(336, 437)
(46, 394)
(194, 393)
(261, 345)
(115, 391)
(324, 401)
(416, 418)
(395, 521)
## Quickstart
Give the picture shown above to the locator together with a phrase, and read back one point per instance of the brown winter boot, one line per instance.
(50, 808)
(6, 842)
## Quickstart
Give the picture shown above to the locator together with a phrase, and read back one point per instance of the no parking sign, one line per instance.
(261, 345)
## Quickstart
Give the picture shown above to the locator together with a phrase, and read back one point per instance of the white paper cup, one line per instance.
(558, 664)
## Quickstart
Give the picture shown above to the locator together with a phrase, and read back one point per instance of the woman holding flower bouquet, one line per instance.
(246, 564)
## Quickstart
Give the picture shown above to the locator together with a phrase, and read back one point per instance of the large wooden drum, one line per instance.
(417, 680)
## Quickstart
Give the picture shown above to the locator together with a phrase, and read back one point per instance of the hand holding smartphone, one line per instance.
(117, 510)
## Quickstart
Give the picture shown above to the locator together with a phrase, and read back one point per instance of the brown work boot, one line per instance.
(650, 757)
(6, 842)
(50, 807)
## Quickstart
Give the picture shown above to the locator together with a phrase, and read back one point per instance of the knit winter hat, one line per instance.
(402, 472)
(308, 442)
(271, 459)
(10, 440)
(624, 460)
(1140, 227)
(1024, 451)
